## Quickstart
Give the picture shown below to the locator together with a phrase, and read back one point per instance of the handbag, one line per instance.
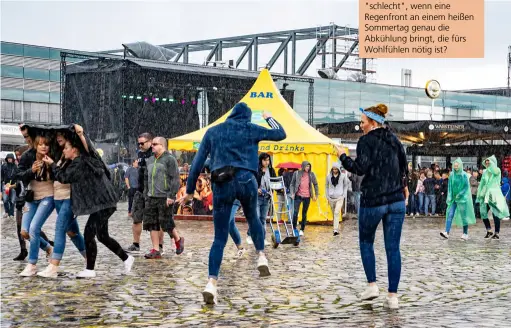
(224, 174)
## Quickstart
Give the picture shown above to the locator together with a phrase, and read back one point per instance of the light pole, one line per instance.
(433, 91)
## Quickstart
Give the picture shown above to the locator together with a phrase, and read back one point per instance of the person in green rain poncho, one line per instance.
(460, 209)
(489, 196)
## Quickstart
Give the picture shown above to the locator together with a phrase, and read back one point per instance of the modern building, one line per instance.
(30, 88)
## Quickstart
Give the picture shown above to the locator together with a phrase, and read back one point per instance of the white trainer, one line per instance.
(464, 237)
(86, 274)
(506, 218)
(370, 293)
(301, 233)
(29, 271)
(51, 271)
(240, 252)
(262, 266)
(391, 303)
(210, 294)
(444, 234)
(128, 264)
(249, 240)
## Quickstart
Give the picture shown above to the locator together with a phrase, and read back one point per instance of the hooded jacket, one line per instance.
(297, 178)
(9, 170)
(506, 188)
(161, 178)
(458, 191)
(489, 191)
(381, 159)
(234, 142)
(341, 189)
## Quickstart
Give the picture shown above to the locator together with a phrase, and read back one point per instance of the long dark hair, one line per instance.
(262, 157)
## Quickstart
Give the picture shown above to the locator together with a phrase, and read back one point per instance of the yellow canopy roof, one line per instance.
(264, 96)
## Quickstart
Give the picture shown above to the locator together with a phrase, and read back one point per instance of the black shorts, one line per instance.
(137, 212)
(158, 215)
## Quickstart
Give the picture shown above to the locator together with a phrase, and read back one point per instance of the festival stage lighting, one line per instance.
(131, 97)
(183, 102)
(163, 99)
(146, 99)
(139, 97)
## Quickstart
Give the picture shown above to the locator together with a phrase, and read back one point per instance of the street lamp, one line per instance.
(433, 91)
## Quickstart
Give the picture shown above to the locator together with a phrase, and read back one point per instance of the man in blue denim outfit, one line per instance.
(232, 147)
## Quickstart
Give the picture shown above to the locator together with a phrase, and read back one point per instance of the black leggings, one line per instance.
(488, 225)
(97, 224)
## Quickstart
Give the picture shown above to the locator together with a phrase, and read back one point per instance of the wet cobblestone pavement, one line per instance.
(444, 283)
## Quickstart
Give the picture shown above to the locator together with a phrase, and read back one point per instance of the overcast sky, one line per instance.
(101, 25)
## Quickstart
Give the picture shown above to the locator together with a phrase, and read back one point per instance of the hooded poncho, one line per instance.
(489, 191)
(459, 193)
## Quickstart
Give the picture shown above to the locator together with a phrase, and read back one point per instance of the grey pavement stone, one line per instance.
(444, 283)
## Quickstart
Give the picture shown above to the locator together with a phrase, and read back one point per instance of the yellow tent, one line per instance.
(303, 142)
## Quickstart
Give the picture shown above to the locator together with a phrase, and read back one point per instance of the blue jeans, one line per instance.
(420, 199)
(244, 188)
(33, 221)
(263, 205)
(9, 201)
(66, 222)
(450, 216)
(233, 230)
(430, 199)
(369, 218)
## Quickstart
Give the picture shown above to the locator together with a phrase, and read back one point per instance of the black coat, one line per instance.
(91, 189)
(381, 159)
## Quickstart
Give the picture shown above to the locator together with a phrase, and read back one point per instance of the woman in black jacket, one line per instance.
(382, 161)
(92, 193)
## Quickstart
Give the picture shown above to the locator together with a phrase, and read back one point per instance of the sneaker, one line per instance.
(133, 249)
(266, 243)
(21, 256)
(249, 240)
(180, 246)
(370, 293)
(506, 218)
(495, 236)
(488, 234)
(153, 254)
(11, 217)
(262, 266)
(391, 303)
(301, 232)
(128, 264)
(51, 271)
(444, 234)
(209, 294)
(240, 252)
(29, 271)
(162, 252)
(5, 216)
(464, 237)
(86, 274)
(336, 233)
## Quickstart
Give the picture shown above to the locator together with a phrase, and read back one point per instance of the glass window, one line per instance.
(37, 96)
(12, 94)
(55, 76)
(55, 54)
(12, 71)
(38, 52)
(37, 74)
(12, 49)
(55, 97)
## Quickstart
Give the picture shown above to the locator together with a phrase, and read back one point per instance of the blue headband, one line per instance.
(373, 116)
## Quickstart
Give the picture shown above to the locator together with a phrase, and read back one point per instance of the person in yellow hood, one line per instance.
(489, 196)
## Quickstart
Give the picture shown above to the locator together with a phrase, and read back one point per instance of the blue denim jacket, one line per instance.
(234, 142)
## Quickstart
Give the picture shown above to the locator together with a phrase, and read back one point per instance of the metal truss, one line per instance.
(250, 45)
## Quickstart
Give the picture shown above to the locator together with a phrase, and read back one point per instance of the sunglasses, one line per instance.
(142, 143)
(156, 144)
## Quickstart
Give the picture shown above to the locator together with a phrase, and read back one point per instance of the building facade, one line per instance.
(30, 92)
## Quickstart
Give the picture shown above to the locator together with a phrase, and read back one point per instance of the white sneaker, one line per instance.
(266, 243)
(86, 274)
(262, 266)
(249, 240)
(391, 303)
(51, 271)
(444, 234)
(29, 271)
(128, 264)
(209, 294)
(301, 232)
(5, 216)
(464, 237)
(370, 293)
(506, 218)
(240, 252)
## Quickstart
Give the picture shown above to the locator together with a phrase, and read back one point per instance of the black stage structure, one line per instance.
(116, 98)
(467, 138)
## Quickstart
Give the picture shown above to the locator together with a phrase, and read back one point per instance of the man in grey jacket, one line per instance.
(161, 184)
(301, 191)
